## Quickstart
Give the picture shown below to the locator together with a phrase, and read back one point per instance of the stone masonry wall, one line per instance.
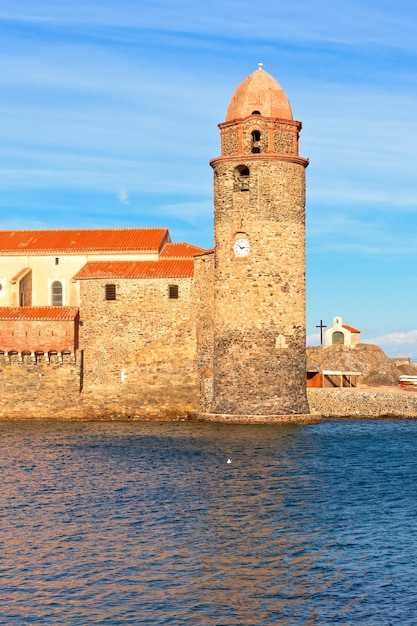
(137, 358)
(162, 384)
(259, 308)
(204, 299)
(40, 390)
(139, 350)
(335, 403)
(44, 390)
(279, 137)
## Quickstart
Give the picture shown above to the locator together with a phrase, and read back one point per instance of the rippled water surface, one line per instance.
(143, 523)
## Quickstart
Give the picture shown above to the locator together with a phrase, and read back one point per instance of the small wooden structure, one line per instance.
(320, 379)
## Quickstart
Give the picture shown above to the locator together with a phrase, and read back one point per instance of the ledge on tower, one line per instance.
(227, 418)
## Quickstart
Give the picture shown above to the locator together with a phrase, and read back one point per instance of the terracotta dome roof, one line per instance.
(262, 93)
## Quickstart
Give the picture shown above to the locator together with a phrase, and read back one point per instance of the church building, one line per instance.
(342, 335)
(124, 323)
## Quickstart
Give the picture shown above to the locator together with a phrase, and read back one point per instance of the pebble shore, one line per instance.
(376, 402)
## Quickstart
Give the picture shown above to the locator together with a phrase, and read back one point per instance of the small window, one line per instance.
(56, 260)
(256, 142)
(256, 112)
(241, 178)
(110, 292)
(56, 293)
(173, 292)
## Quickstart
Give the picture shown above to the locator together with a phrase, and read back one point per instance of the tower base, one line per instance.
(227, 418)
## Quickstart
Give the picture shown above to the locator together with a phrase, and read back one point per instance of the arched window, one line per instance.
(338, 338)
(256, 142)
(241, 178)
(56, 289)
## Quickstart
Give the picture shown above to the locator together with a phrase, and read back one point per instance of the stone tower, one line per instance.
(259, 365)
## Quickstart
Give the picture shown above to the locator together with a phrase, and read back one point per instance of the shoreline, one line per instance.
(363, 402)
(389, 402)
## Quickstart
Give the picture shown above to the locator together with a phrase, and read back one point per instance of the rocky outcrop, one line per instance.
(376, 368)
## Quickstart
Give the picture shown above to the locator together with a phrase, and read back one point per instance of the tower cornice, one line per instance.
(248, 158)
(256, 118)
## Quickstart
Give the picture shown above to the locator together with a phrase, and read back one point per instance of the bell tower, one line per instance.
(259, 363)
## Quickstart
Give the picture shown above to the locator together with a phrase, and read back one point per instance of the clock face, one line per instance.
(241, 247)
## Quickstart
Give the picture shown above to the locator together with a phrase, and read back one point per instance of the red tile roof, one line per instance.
(137, 269)
(204, 252)
(180, 251)
(352, 330)
(79, 241)
(38, 313)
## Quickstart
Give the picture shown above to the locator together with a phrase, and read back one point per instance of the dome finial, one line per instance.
(260, 66)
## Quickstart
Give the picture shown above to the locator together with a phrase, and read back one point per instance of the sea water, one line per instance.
(148, 523)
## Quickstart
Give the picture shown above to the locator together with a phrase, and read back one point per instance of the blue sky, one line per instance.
(109, 114)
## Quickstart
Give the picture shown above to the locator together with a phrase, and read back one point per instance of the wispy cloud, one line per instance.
(123, 196)
(397, 344)
(190, 212)
(396, 338)
(313, 339)
(354, 22)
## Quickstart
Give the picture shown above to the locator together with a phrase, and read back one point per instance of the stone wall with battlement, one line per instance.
(40, 388)
(157, 382)
(51, 388)
(137, 357)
